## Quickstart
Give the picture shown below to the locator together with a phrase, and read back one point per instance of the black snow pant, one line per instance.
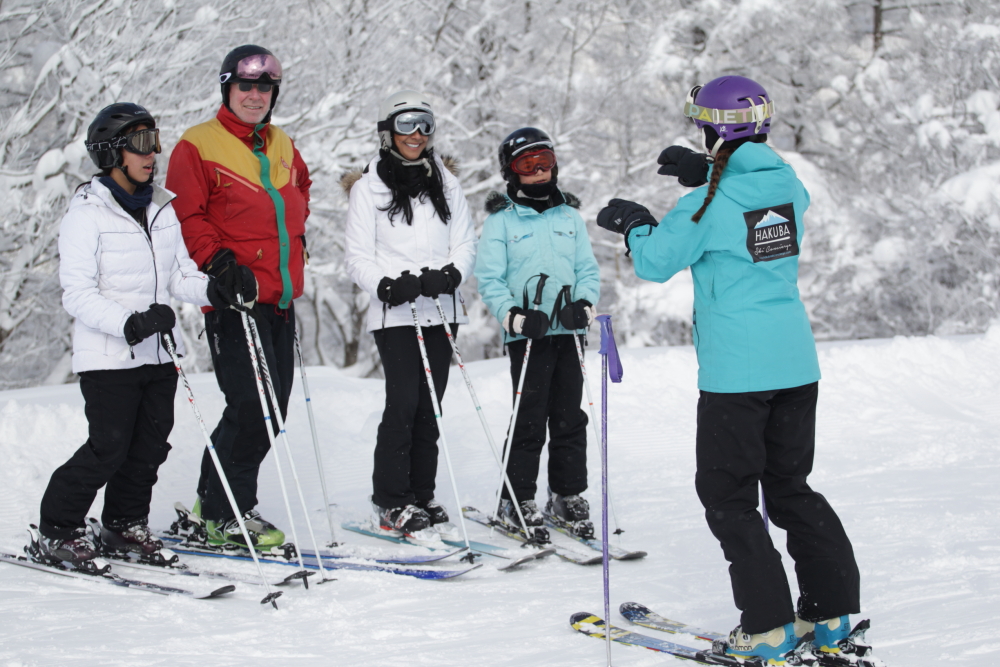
(406, 451)
(769, 437)
(240, 439)
(130, 413)
(552, 392)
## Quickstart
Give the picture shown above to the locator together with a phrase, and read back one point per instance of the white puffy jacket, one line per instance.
(109, 269)
(377, 248)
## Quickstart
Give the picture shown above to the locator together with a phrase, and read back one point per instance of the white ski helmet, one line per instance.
(404, 100)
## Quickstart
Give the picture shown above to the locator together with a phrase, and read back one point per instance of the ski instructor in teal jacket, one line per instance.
(758, 370)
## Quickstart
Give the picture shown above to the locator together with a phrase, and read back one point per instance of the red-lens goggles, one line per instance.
(531, 163)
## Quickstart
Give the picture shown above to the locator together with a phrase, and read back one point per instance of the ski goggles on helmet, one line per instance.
(254, 68)
(408, 122)
(752, 113)
(530, 163)
(143, 142)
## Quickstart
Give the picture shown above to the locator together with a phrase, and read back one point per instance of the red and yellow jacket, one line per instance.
(254, 202)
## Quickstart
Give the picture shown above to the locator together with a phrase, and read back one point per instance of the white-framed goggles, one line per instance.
(752, 113)
(408, 122)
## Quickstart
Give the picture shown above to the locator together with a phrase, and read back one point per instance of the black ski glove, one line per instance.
(454, 277)
(690, 168)
(159, 318)
(622, 216)
(529, 323)
(222, 290)
(402, 290)
(223, 260)
(577, 315)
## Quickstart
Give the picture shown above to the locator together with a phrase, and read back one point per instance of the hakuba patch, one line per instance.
(771, 233)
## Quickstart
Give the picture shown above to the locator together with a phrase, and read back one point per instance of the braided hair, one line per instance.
(721, 160)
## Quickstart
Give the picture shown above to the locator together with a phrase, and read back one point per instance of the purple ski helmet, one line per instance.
(733, 106)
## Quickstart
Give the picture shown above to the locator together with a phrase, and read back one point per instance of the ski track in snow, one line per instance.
(907, 454)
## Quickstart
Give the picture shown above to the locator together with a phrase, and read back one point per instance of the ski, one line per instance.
(417, 559)
(571, 555)
(594, 626)
(364, 528)
(103, 573)
(646, 617)
(189, 528)
(597, 545)
(186, 571)
(854, 651)
(312, 564)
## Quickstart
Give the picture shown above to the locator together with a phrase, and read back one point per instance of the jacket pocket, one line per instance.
(564, 236)
(220, 173)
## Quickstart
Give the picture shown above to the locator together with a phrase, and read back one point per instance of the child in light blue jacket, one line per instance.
(535, 229)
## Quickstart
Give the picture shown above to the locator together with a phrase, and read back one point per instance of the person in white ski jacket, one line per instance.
(410, 237)
(122, 258)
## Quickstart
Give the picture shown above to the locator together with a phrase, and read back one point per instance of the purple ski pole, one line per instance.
(610, 365)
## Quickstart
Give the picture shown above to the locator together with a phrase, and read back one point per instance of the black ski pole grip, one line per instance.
(538, 290)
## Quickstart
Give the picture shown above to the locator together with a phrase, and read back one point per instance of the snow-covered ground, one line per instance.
(908, 453)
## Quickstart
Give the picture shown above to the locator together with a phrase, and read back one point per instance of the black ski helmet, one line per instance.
(521, 141)
(112, 121)
(228, 74)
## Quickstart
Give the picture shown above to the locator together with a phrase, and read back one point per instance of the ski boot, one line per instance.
(124, 538)
(764, 648)
(532, 518)
(439, 519)
(263, 534)
(572, 513)
(832, 641)
(76, 552)
(409, 521)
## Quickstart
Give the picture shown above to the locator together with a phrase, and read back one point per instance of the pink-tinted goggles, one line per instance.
(255, 68)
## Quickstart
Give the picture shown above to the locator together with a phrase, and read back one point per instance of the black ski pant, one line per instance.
(551, 396)
(130, 413)
(769, 437)
(240, 439)
(406, 451)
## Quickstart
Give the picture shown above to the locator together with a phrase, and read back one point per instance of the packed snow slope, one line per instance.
(908, 453)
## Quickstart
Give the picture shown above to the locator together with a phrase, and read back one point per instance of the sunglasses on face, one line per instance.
(409, 122)
(246, 87)
(531, 163)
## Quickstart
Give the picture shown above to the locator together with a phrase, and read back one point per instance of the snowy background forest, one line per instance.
(888, 110)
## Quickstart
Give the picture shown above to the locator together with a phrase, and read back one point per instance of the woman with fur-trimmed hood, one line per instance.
(410, 238)
(533, 229)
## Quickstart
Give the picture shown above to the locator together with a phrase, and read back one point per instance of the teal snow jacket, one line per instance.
(750, 328)
(518, 243)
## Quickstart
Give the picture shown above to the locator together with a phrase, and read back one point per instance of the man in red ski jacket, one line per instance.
(243, 199)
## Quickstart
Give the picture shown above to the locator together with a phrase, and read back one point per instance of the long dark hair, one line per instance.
(412, 181)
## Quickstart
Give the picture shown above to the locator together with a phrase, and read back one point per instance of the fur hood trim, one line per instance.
(498, 201)
(352, 176)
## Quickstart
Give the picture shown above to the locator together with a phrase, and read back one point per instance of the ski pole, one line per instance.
(608, 349)
(440, 422)
(263, 378)
(271, 596)
(593, 413)
(479, 411)
(315, 438)
(513, 418)
(763, 509)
